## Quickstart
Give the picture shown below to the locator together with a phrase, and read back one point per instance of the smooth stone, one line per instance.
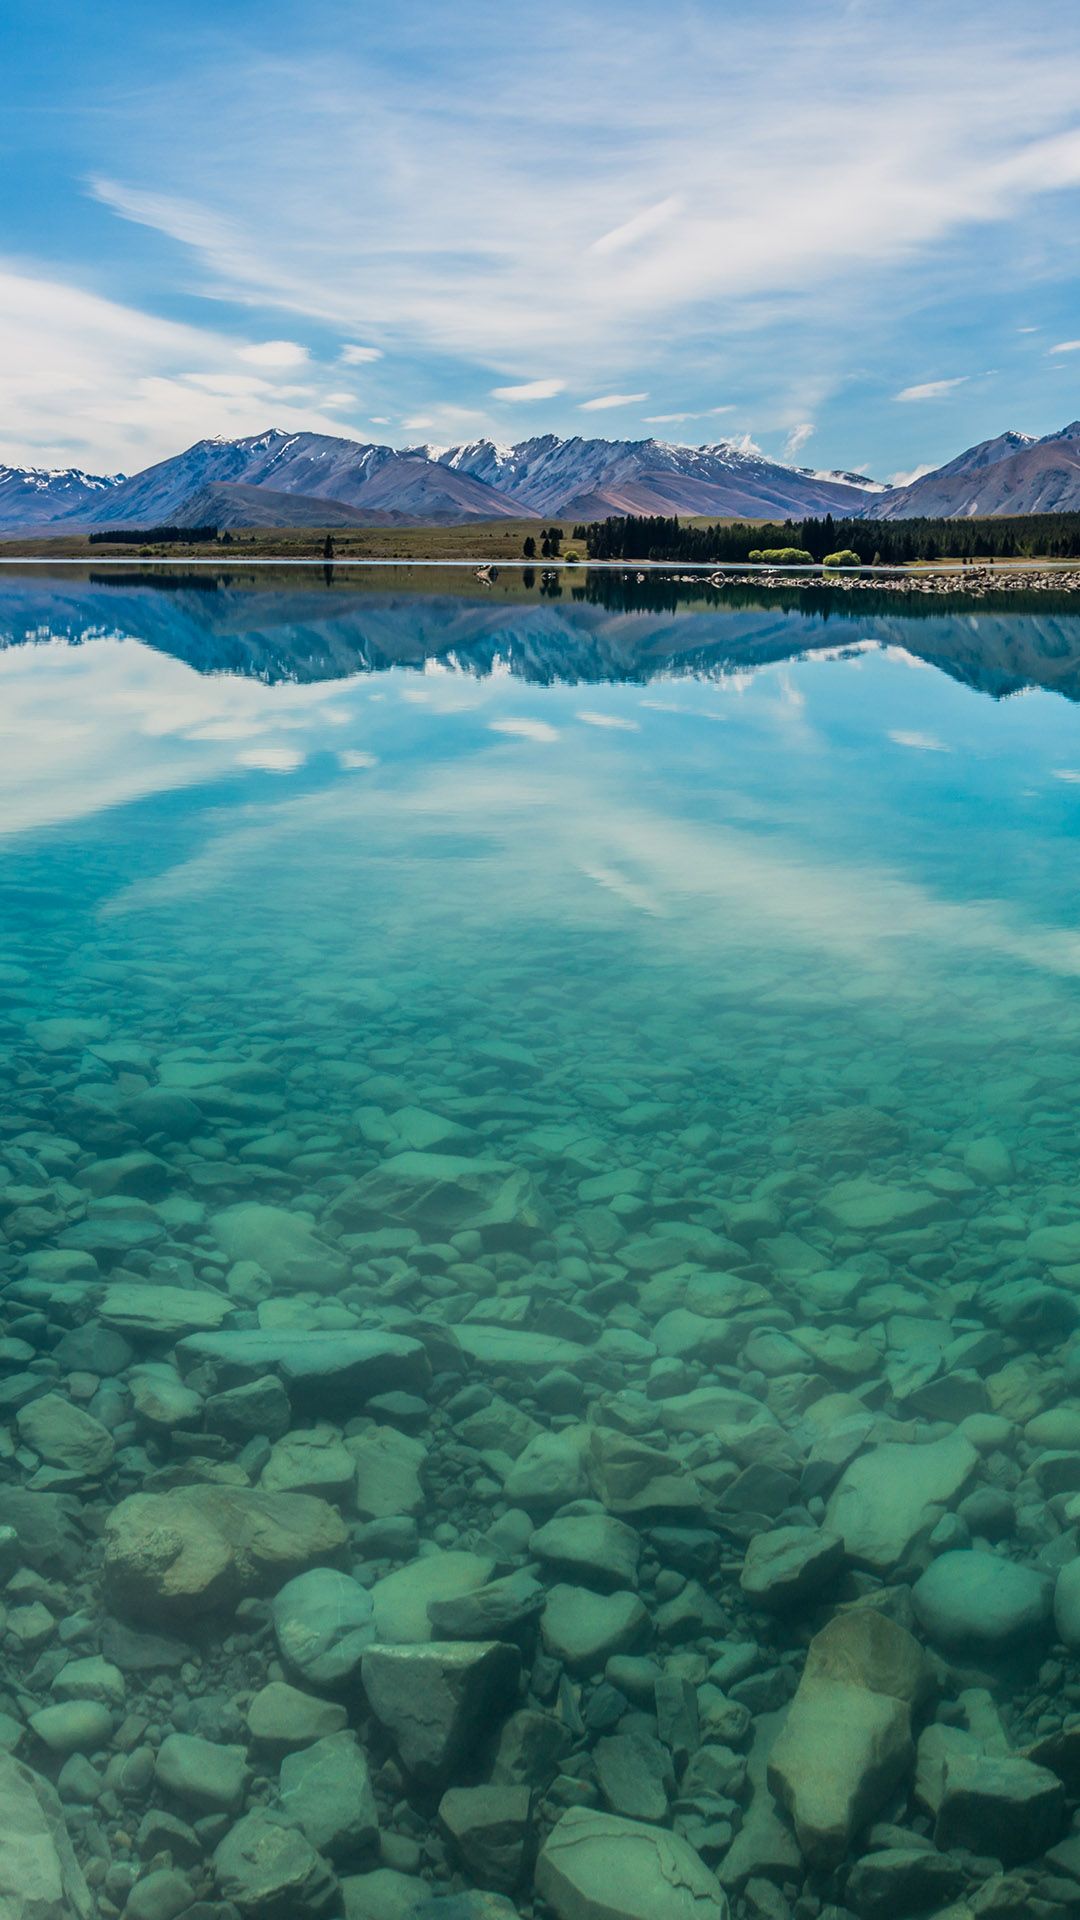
(782, 1568)
(633, 1772)
(596, 1866)
(902, 1880)
(447, 1193)
(40, 1878)
(323, 1620)
(886, 1498)
(284, 1244)
(163, 1895)
(435, 1699)
(313, 1460)
(65, 1436)
(202, 1773)
(981, 1600)
(401, 1600)
(583, 1629)
(283, 1718)
(513, 1351)
(1067, 1603)
(873, 1206)
(550, 1471)
(91, 1678)
(73, 1726)
(596, 1548)
(327, 1790)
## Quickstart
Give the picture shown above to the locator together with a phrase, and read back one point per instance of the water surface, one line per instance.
(734, 941)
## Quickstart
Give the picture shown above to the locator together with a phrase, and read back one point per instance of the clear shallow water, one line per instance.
(736, 948)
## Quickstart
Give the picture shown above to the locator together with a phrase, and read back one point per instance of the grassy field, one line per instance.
(497, 540)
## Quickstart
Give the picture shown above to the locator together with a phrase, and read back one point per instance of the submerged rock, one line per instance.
(595, 1866)
(40, 1878)
(436, 1700)
(201, 1549)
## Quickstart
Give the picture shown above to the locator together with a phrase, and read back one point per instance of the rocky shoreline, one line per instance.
(971, 581)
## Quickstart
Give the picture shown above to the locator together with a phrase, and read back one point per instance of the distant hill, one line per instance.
(1012, 474)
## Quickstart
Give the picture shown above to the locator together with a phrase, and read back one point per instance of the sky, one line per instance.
(848, 232)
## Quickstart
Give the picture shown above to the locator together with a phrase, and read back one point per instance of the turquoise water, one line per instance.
(687, 991)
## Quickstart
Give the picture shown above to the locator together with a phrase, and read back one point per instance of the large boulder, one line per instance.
(203, 1548)
(999, 1805)
(846, 1743)
(437, 1700)
(596, 1866)
(65, 1436)
(272, 1872)
(40, 1878)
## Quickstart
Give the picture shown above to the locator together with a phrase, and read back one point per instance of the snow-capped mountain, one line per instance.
(35, 496)
(316, 466)
(591, 478)
(1013, 473)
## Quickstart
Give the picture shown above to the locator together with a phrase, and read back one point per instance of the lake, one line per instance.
(538, 1177)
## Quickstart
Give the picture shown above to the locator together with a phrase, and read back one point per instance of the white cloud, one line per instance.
(339, 400)
(275, 353)
(87, 379)
(1066, 346)
(639, 227)
(798, 438)
(359, 356)
(531, 390)
(908, 479)
(669, 419)
(271, 759)
(606, 400)
(613, 721)
(526, 729)
(920, 742)
(931, 389)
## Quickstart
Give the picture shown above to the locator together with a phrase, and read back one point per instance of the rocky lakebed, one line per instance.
(400, 1528)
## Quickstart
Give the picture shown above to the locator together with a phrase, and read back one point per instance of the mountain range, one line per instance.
(277, 479)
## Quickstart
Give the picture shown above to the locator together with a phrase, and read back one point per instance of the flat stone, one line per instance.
(162, 1313)
(323, 1620)
(599, 1550)
(981, 1600)
(401, 1600)
(314, 1460)
(199, 1549)
(73, 1726)
(1000, 1806)
(65, 1436)
(447, 1193)
(203, 1774)
(387, 1473)
(782, 1568)
(595, 1866)
(902, 1880)
(332, 1369)
(873, 1206)
(327, 1790)
(435, 1699)
(512, 1351)
(633, 1773)
(40, 1878)
(583, 1629)
(887, 1498)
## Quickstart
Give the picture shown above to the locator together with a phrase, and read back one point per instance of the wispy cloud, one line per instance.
(275, 354)
(605, 400)
(932, 389)
(354, 356)
(798, 438)
(1066, 346)
(530, 390)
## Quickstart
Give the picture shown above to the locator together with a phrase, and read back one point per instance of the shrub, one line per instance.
(845, 558)
(783, 556)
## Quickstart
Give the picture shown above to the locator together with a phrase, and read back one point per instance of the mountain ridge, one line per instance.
(278, 478)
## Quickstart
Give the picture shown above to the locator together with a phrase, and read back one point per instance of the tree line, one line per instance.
(132, 536)
(1035, 536)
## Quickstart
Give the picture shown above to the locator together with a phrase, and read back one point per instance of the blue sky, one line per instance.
(849, 231)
